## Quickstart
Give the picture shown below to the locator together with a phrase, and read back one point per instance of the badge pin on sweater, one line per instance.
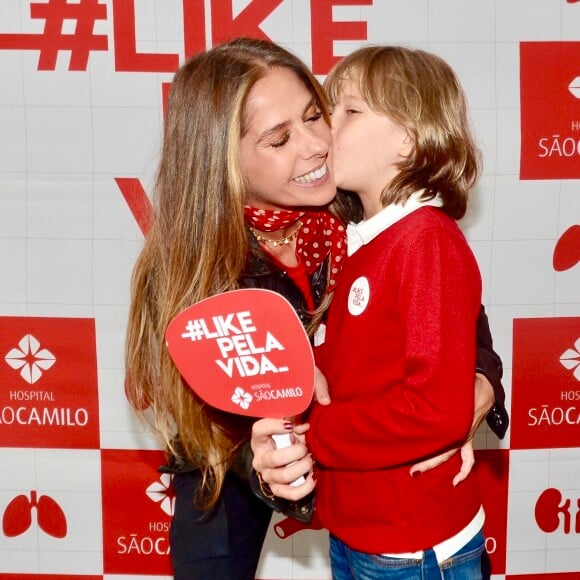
(245, 352)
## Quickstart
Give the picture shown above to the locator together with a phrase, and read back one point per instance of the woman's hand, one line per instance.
(484, 400)
(280, 467)
(321, 394)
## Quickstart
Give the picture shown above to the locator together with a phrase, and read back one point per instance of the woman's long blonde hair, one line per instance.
(420, 92)
(197, 245)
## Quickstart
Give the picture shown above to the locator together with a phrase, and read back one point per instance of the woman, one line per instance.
(247, 134)
(241, 200)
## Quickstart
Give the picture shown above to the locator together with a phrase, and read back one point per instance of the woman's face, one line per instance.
(287, 151)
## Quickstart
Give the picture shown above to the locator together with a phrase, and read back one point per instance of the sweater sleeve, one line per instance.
(431, 409)
(489, 364)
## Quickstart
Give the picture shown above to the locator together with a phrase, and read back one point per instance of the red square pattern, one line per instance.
(554, 576)
(137, 509)
(29, 576)
(492, 469)
(546, 383)
(550, 110)
(48, 383)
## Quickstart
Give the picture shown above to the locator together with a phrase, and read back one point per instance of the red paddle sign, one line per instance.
(245, 352)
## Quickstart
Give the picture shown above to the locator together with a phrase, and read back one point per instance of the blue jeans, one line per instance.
(470, 563)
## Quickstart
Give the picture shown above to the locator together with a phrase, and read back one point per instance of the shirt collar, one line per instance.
(362, 233)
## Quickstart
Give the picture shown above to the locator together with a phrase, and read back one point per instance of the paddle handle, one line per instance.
(282, 440)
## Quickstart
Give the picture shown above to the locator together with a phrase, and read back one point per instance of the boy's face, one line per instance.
(367, 147)
(287, 150)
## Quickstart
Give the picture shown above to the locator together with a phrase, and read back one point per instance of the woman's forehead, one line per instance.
(280, 96)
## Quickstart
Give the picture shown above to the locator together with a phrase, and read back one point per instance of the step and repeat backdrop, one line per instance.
(83, 84)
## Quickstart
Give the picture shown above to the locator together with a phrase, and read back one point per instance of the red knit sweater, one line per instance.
(401, 376)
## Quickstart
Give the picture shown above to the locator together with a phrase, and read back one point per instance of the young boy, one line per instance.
(399, 353)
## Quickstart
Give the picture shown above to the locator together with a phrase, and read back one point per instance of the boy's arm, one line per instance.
(489, 402)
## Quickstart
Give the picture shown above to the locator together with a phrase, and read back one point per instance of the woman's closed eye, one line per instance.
(281, 141)
(314, 117)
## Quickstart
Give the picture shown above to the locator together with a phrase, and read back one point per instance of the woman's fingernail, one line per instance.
(415, 474)
(288, 426)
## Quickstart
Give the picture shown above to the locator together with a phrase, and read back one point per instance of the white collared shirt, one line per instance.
(357, 235)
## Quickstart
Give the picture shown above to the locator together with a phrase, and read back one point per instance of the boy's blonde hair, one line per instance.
(420, 92)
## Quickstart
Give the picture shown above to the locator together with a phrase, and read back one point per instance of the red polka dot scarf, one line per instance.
(321, 233)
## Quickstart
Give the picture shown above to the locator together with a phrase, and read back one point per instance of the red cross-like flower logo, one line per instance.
(30, 359)
(571, 359)
(241, 398)
(160, 492)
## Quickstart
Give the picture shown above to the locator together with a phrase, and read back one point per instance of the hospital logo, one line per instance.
(48, 383)
(30, 359)
(137, 511)
(550, 110)
(545, 386)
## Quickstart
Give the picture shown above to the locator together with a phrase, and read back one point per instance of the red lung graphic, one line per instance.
(17, 517)
(51, 518)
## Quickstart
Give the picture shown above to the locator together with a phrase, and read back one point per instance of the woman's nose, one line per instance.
(316, 144)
